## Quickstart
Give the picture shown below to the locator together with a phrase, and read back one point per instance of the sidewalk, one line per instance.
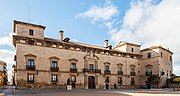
(7, 90)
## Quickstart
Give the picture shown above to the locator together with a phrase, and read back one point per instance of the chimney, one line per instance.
(106, 43)
(61, 35)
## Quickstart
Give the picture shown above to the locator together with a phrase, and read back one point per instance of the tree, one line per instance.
(175, 80)
(153, 80)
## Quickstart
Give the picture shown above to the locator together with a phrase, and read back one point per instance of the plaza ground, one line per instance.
(8, 91)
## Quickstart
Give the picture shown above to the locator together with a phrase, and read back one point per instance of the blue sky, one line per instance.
(57, 15)
(145, 22)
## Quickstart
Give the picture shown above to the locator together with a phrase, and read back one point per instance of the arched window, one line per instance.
(119, 69)
(107, 68)
(73, 65)
(30, 61)
(132, 70)
(149, 70)
(54, 64)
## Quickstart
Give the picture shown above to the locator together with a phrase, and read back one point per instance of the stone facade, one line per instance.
(3, 73)
(45, 62)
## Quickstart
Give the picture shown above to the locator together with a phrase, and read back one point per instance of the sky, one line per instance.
(145, 22)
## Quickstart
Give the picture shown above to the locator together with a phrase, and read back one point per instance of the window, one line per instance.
(88, 50)
(119, 80)
(132, 49)
(149, 71)
(48, 44)
(73, 78)
(132, 56)
(15, 57)
(73, 65)
(132, 81)
(120, 72)
(30, 77)
(161, 54)
(170, 73)
(162, 73)
(170, 58)
(31, 32)
(132, 69)
(91, 66)
(54, 77)
(31, 42)
(31, 62)
(107, 68)
(107, 79)
(54, 64)
(83, 49)
(66, 46)
(120, 68)
(149, 55)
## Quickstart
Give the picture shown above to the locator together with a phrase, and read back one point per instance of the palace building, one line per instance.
(43, 62)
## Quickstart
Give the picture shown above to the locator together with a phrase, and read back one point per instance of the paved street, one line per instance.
(62, 92)
(83, 92)
(75, 93)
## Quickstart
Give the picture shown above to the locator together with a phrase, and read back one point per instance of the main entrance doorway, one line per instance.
(107, 86)
(91, 82)
(73, 85)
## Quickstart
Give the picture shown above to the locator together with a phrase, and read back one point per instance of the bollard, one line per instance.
(13, 90)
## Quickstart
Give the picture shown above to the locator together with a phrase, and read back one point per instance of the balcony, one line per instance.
(132, 73)
(148, 73)
(73, 70)
(54, 69)
(92, 70)
(120, 82)
(107, 72)
(120, 72)
(30, 81)
(30, 67)
(107, 81)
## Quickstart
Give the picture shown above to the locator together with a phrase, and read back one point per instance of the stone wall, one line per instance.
(23, 30)
(43, 73)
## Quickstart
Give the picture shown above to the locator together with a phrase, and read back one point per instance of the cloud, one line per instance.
(147, 22)
(152, 24)
(6, 40)
(176, 69)
(98, 14)
(7, 56)
(75, 40)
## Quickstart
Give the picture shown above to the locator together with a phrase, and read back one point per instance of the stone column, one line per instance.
(97, 86)
(85, 64)
(85, 81)
(96, 64)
